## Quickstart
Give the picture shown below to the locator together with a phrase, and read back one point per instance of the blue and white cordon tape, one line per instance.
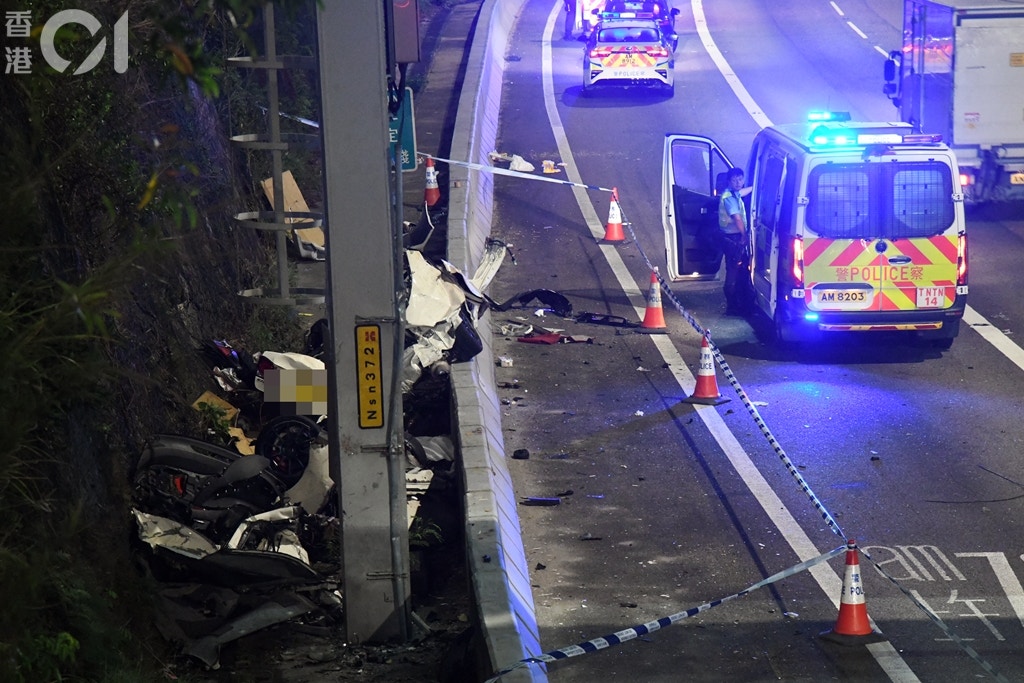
(650, 627)
(643, 629)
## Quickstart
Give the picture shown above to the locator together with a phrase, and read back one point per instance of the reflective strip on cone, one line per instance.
(706, 391)
(853, 626)
(613, 230)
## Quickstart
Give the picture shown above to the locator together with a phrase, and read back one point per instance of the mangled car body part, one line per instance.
(432, 297)
(442, 311)
(430, 348)
(288, 442)
(313, 489)
(553, 301)
(281, 608)
(258, 532)
(174, 536)
(494, 255)
(277, 557)
(511, 328)
(180, 477)
(202, 618)
(426, 451)
(209, 488)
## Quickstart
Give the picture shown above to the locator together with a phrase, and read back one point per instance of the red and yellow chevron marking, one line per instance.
(931, 262)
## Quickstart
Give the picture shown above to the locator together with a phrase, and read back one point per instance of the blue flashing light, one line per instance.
(824, 136)
(811, 317)
(816, 116)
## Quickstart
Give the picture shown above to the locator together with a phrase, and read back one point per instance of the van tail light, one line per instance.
(798, 262)
(600, 52)
(961, 260)
(658, 52)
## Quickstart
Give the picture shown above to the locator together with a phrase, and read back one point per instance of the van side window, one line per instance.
(891, 200)
(768, 195)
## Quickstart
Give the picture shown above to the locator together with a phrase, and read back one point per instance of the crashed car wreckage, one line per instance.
(237, 536)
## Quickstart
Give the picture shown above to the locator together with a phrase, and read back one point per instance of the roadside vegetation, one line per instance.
(118, 257)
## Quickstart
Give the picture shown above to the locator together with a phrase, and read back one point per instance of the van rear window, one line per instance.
(891, 200)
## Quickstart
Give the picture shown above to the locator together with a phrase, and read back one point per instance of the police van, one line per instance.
(854, 227)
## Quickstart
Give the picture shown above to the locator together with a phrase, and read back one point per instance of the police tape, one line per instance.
(791, 468)
(738, 388)
(638, 630)
(498, 170)
(642, 629)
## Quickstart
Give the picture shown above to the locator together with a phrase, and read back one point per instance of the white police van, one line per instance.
(854, 227)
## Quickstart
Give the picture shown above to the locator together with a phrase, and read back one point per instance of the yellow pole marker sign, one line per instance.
(369, 377)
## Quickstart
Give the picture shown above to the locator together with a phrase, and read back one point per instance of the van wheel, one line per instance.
(783, 332)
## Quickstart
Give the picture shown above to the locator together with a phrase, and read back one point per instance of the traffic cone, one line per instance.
(706, 391)
(654, 316)
(853, 627)
(613, 230)
(432, 193)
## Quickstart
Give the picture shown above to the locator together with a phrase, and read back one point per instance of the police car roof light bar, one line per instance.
(818, 115)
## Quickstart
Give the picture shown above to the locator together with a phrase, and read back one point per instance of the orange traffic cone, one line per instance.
(432, 193)
(613, 230)
(706, 391)
(853, 627)
(654, 316)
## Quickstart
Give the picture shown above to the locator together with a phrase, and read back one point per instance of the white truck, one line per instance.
(960, 74)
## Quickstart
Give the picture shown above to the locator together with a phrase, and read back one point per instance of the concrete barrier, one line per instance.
(497, 562)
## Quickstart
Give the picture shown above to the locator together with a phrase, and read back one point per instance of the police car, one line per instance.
(628, 49)
(854, 226)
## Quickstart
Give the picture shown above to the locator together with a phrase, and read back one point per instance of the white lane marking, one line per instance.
(823, 574)
(1007, 579)
(760, 118)
(994, 336)
(884, 653)
(860, 33)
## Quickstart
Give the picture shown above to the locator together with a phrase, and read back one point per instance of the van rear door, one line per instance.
(691, 168)
(882, 236)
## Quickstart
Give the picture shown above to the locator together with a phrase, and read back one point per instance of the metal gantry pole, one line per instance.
(364, 431)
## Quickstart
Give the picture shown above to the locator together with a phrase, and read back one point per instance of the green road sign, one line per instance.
(403, 133)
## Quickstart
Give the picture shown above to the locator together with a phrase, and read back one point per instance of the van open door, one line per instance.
(693, 175)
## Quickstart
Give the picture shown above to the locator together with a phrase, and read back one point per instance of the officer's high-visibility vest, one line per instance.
(724, 219)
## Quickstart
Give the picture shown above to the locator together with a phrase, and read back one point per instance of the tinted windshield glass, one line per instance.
(874, 200)
(630, 34)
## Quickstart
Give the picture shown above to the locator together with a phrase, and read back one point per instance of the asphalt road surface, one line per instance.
(665, 506)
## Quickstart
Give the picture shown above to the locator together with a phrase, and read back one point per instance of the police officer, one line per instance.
(732, 222)
(570, 18)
